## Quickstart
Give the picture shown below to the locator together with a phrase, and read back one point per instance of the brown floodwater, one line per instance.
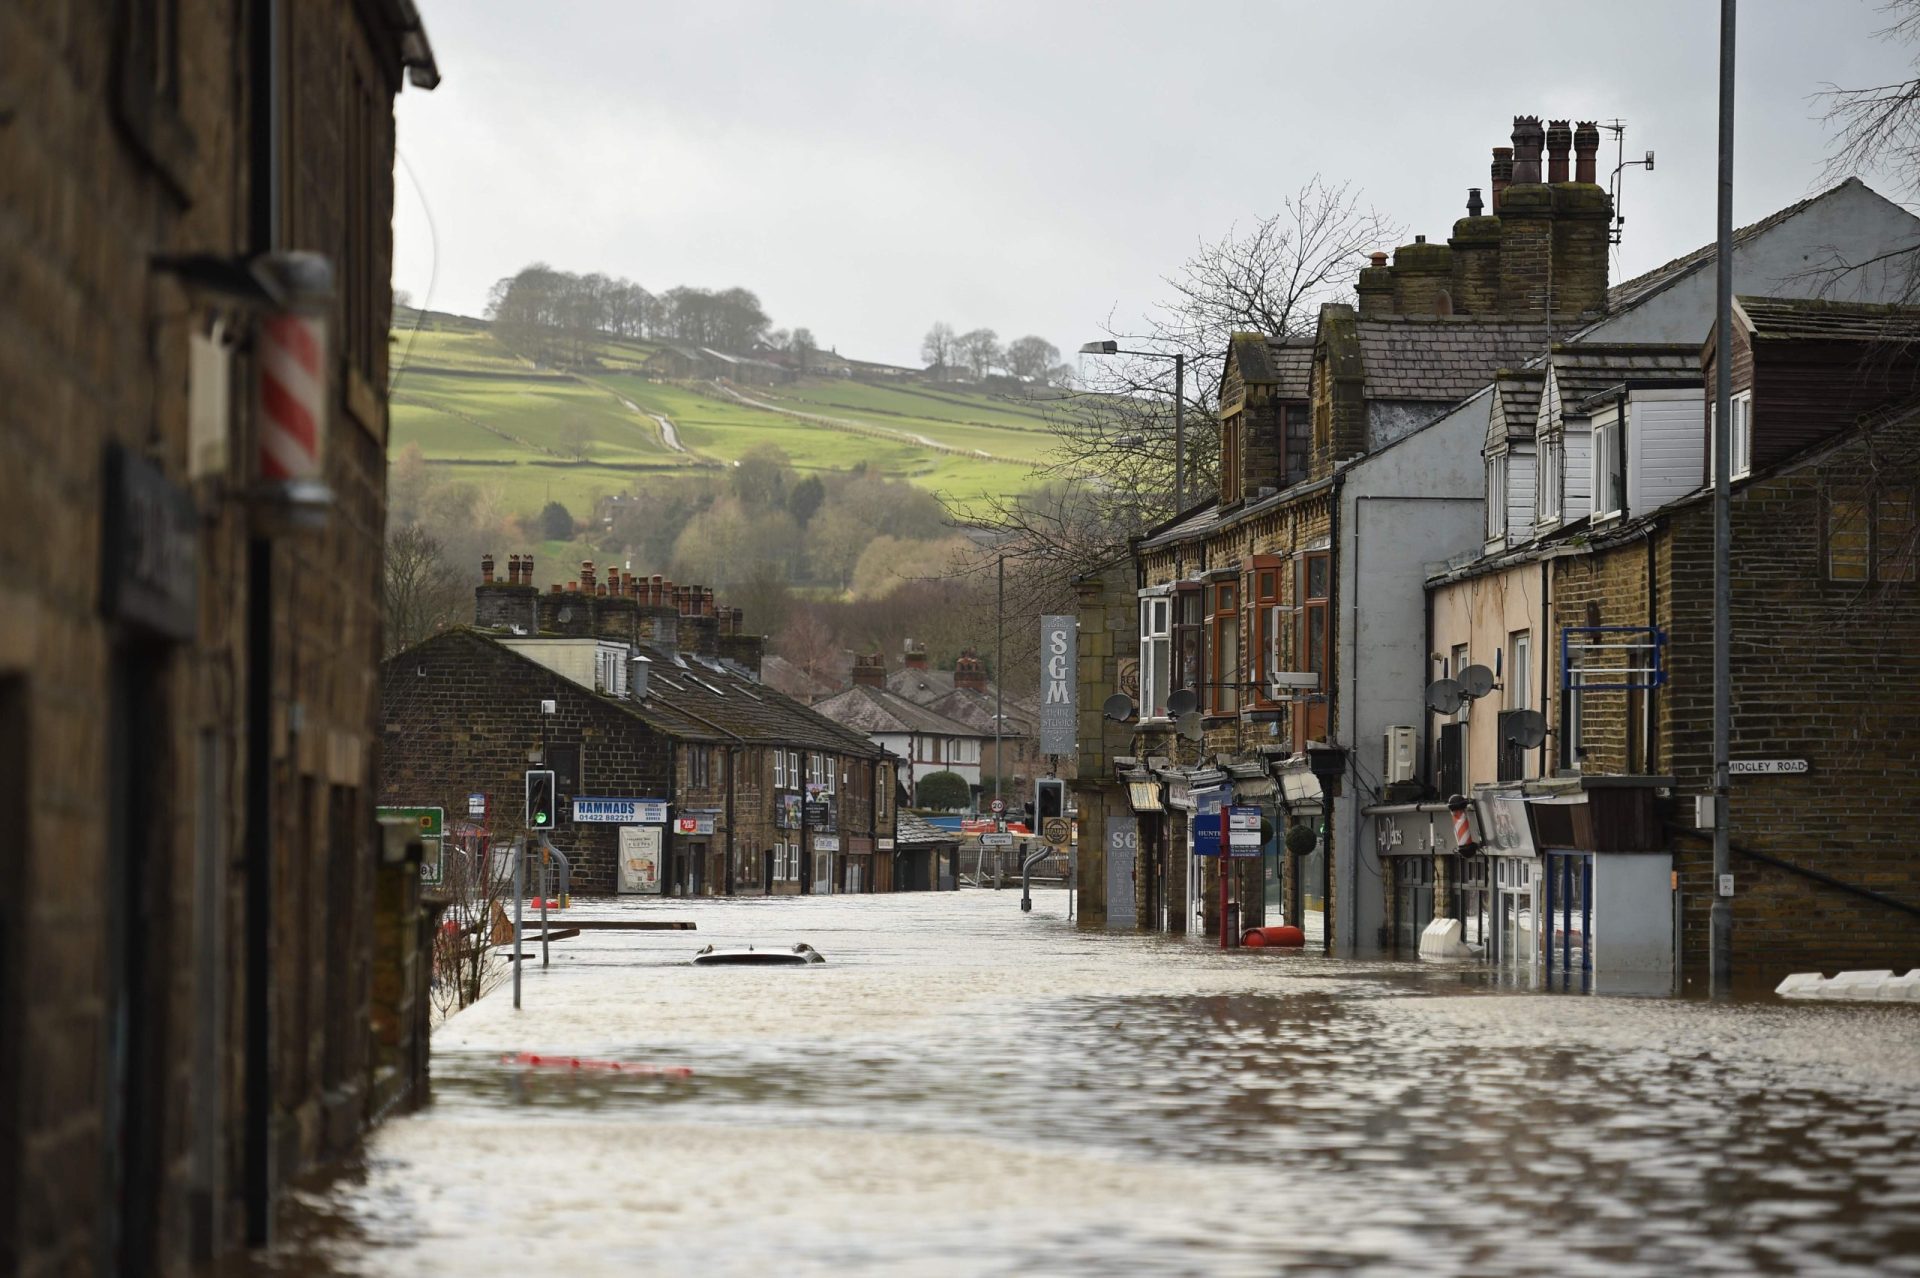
(964, 1089)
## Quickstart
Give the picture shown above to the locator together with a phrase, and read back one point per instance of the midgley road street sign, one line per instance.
(1765, 767)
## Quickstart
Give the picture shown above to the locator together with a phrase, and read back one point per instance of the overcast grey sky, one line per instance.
(868, 168)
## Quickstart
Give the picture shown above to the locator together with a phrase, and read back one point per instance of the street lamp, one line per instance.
(1179, 409)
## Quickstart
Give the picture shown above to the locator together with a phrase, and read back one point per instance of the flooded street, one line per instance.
(965, 1089)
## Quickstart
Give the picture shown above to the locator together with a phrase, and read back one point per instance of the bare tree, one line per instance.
(1111, 476)
(424, 593)
(1878, 127)
(476, 877)
(980, 351)
(1030, 357)
(938, 347)
(802, 346)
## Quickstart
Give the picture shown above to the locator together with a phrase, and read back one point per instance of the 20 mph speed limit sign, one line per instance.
(1056, 831)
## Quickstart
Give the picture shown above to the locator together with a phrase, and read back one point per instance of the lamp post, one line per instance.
(1179, 410)
(1328, 763)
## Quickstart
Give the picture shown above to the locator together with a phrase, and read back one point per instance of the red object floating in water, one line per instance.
(575, 1062)
(1280, 937)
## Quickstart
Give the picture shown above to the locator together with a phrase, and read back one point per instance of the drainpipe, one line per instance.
(728, 874)
(263, 233)
(1546, 646)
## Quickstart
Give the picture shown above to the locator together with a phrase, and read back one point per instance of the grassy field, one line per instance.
(481, 414)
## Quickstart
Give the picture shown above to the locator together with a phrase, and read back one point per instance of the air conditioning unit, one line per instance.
(1402, 756)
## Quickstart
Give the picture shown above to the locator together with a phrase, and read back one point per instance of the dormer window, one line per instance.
(1609, 469)
(1552, 472)
(1496, 496)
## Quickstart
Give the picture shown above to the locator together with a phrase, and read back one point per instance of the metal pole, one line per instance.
(1720, 922)
(546, 890)
(1179, 432)
(999, 687)
(519, 880)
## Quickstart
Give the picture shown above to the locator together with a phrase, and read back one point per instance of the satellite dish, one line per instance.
(1189, 725)
(1525, 728)
(1183, 701)
(1444, 696)
(1118, 707)
(1476, 681)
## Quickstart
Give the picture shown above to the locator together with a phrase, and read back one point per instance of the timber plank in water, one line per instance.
(629, 925)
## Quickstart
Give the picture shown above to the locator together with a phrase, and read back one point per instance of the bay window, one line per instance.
(1189, 642)
(1315, 587)
(1155, 656)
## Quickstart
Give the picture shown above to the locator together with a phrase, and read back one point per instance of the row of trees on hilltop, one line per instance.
(978, 352)
(555, 316)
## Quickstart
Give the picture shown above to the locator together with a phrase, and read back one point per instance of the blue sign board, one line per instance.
(621, 811)
(1206, 833)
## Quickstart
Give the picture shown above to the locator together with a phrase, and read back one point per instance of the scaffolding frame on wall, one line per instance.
(1612, 658)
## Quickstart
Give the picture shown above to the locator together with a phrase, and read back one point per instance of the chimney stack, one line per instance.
(504, 605)
(1526, 228)
(970, 672)
(1502, 174)
(1374, 288)
(586, 574)
(870, 672)
(1422, 278)
(1586, 145)
(1559, 139)
(915, 656)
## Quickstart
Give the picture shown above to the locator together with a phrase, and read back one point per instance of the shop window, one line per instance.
(1224, 671)
(1155, 656)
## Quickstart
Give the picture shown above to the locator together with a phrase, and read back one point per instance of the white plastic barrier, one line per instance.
(1442, 940)
(1876, 986)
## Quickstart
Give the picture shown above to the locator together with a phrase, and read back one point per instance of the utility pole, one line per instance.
(1720, 920)
(1179, 432)
(999, 685)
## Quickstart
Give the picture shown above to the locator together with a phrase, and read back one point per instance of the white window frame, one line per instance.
(1742, 435)
(832, 766)
(1519, 690)
(1156, 637)
(1609, 461)
(780, 769)
(1547, 501)
(1459, 659)
(1496, 496)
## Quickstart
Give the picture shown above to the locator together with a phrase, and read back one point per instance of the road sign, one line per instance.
(431, 823)
(1766, 767)
(996, 840)
(476, 805)
(1056, 831)
(999, 805)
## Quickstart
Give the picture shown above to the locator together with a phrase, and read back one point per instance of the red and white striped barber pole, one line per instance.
(1462, 828)
(292, 396)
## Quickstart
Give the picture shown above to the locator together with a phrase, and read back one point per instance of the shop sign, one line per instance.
(621, 811)
(640, 859)
(885, 843)
(1504, 827)
(1059, 651)
(1243, 831)
(826, 843)
(1206, 834)
(150, 570)
(787, 816)
(694, 825)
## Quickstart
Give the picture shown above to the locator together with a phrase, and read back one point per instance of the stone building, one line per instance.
(920, 740)
(692, 777)
(209, 982)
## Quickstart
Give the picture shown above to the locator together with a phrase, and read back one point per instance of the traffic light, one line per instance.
(540, 800)
(1049, 798)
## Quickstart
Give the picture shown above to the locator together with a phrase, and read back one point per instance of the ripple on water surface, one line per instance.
(964, 1089)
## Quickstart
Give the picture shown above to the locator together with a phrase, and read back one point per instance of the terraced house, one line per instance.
(1286, 614)
(679, 772)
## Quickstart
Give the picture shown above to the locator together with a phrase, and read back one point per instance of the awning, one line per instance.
(1252, 788)
(1144, 796)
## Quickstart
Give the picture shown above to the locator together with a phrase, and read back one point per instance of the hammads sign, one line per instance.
(1058, 651)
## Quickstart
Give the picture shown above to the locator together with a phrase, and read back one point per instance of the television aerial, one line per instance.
(1524, 728)
(1445, 696)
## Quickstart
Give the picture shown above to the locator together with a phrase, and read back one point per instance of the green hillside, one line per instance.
(477, 410)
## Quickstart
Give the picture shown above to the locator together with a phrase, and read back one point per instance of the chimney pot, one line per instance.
(1586, 145)
(1378, 259)
(1559, 139)
(1502, 173)
(1474, 205)
(1419, 239)
(573, 587)
(486, 569)
(556, 587)
(1528, 137)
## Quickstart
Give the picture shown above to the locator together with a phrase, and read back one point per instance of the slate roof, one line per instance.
(1198, 522)
(911, 830)
(1631, 292)
(1519, 404)
(1441, 358)
(728, 704)
(1808, 319)
(869, 710)
(1582, 369)
(975, 709)
(783, 676)
(1286, 363)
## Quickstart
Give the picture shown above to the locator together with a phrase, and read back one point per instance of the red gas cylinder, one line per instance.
(1261, 937)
